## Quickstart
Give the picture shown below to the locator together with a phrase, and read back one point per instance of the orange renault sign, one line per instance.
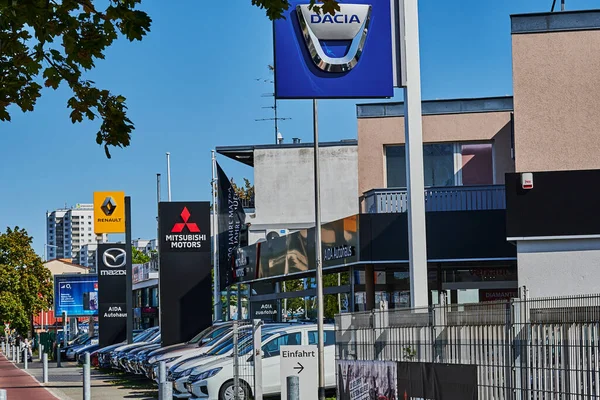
(109, 212)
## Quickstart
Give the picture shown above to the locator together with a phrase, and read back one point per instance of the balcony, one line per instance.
(448, 198)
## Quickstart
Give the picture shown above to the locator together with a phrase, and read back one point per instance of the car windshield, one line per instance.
(247, 348)
(213, 335)
(81, 339)
(144, 335)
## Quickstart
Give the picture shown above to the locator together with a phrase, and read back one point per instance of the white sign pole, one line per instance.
(417, 240)
(300, 361)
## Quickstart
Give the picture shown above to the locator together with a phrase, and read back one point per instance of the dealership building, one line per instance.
(510, 185)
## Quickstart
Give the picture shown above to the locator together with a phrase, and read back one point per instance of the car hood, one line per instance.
(199, 361)
(128, 347)
(180, 352)
(110, 348)
(170, 348)
(220, 362)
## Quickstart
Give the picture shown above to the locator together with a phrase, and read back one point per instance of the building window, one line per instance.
(445, 164)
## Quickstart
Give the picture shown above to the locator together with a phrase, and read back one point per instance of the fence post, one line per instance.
(3, 395)
(293, 387)
(44, 368)
(257, 344)
(439, 326)
(236, 365)
(87, 384)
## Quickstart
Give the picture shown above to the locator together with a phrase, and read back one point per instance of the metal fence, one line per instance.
(245, 334)
(546, 348)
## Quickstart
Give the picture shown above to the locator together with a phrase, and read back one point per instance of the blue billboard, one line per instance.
(346, 55)
(76, 294)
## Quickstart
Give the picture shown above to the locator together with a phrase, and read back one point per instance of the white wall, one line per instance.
(559, 267)
(284, 186)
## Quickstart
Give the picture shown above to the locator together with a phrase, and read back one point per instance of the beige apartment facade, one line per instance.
(477, 150)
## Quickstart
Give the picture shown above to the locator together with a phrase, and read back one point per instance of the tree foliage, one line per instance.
(45, 43)
(245, 192)
(25, 284)
(275, 8)
(138, 256)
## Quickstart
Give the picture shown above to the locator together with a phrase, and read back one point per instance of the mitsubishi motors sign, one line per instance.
(182, 231)
(185, 265)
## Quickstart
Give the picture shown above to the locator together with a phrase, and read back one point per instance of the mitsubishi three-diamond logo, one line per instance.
(179, 226)
(108, 206)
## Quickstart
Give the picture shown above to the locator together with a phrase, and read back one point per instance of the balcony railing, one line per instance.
(448, 198)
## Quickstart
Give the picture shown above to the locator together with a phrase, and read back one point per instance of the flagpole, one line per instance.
(215, 229)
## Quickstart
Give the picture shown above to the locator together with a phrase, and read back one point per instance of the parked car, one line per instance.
(214, 381)
(103, 354)
(80, 353)
(183, 369)
(70, 352)
(205, 337)
(119, 353)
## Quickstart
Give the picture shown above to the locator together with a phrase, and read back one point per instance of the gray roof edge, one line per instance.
(437, 107)
(345, 142)
(555, 21)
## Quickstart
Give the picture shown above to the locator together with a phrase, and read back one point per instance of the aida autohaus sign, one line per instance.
(185, 227)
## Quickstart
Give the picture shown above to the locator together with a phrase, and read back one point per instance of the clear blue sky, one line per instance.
(191, 85)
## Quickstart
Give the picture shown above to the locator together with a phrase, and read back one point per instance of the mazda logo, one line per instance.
(114, 258)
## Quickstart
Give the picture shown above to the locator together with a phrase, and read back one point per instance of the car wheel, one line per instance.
(227, 391)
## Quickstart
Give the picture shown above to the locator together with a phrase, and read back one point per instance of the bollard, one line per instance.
(293, 387)
(25, 358)
(165, 388)
(58, 356)
(12, 350)
(18, 355)
(3, 395)
(44, 368)
(40, 351)
(87, 384)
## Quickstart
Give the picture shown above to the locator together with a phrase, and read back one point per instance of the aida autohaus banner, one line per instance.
(185, 266)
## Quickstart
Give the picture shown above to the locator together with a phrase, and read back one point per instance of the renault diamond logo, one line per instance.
(114, 258)
(109, 206)
(350, 24)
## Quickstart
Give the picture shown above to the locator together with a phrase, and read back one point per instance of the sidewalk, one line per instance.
(19, 384)
(66, 383)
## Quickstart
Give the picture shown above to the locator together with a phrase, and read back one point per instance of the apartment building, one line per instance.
(68, 231)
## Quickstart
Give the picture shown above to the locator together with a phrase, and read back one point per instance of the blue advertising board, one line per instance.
(76, 294)
(346, 55)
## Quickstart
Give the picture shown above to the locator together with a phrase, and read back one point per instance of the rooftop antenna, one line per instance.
(275, 118)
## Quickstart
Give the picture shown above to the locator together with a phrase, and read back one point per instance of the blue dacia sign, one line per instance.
(346, 55)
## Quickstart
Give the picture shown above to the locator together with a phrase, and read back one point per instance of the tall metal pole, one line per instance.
(158, 198)
(319, 253)
(169, 175)
(128, 271)
(215, 233)
(417, 240)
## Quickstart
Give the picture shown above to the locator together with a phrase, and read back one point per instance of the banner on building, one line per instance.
(112, 289)
(231, 220)
(366, 380)
(185, 266)
(418, 380)
(109, 212)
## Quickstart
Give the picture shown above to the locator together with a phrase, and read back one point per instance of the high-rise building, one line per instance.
(68, 231)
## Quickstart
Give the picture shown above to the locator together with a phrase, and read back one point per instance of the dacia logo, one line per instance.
(334, 19)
